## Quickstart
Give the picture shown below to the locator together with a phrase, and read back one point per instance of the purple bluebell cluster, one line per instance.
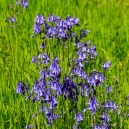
(51, 87)
(23, 3)
(55, 27)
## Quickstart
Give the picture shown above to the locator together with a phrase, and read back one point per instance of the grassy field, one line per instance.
(108, 22)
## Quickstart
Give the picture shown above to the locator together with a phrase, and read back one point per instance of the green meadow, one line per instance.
(108, 22)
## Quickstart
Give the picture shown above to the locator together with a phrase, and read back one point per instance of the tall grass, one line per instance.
(109, 26)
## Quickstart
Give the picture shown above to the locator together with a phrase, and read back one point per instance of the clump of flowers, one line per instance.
(23, 3)
(49, 90)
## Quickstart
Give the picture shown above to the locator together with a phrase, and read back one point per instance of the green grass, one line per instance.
(109, 30)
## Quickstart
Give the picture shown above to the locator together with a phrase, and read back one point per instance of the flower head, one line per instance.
(12, 19)
(20, 88)
(106, 65)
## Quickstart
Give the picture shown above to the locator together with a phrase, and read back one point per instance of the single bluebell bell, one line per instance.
(127, 115)
(78, 117)
(36, 28)
(83, 33)
(104, 117)
(34, 59)
(106, 65)
(53, 102)
(92, 105)
(28, 126)
(53, 84)
(50, 117)
(20, 88)
(84, 48)
(43, 74)
(79, 63)
(84, 110)
(34, 115)
(109, 89)
(72, 34)
(42, 46)
(41, 109)
(40, 56)
(55, 68)
(46, 96)
(12, 19)
(42, 81)
(39, 91)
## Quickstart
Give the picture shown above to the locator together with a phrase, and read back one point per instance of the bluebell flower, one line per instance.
(79, 63)
(69, 89)
(84, 110)
(46, 96)
(36, 28)
(29, 126)
(105, 117)
(50, 116)
(12, 19)
(109, 89)
(40, 55)
(38, 90)
(24, 3)
(106, 65)
(96, 78)
(53, 18)
(72, 20)
(92, 105)
(47, 110)
(110, 104)
(78, 117)
(42, 46)
(83, 33)
(56, 86)
(55, 68)
(41, 109)
(127, 115)
(42, 81)
(81, 55)
(34, 115)
(34, 59)
(62, 34)
(92, 52)
(46, 59)
(43, 73)
(53, 102)
(72, 34)
(20, 88)
(40, 20)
